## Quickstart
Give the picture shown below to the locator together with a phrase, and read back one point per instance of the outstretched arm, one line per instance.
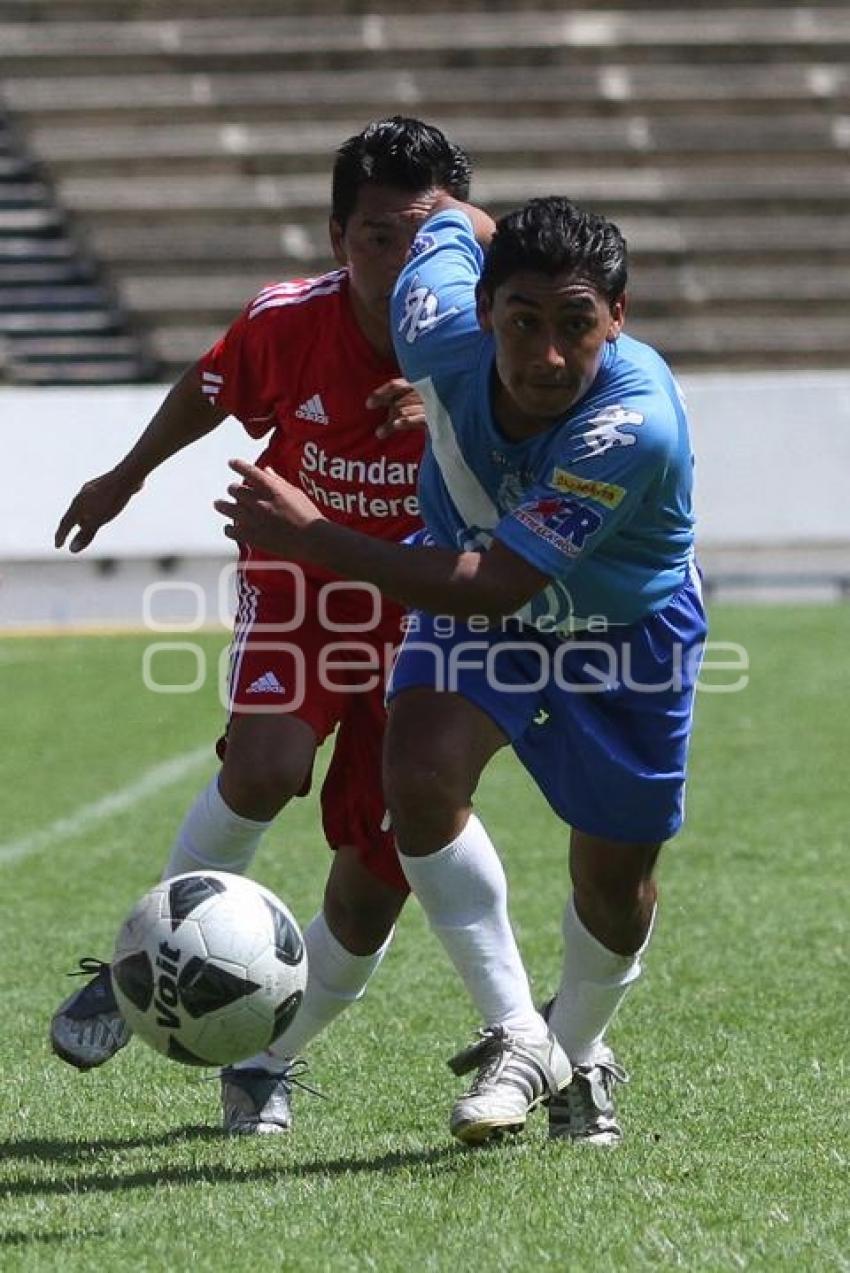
(483, 225)
(267, 511)
(184, 416)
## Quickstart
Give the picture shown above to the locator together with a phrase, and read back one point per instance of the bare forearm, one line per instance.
(439, 580)
(183, 418)
(266, 511)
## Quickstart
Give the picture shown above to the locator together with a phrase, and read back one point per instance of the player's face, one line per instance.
(376, 240)
(550, 334)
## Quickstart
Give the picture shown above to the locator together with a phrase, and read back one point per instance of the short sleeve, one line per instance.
(589, 491)
(433, 306)
(236, 373)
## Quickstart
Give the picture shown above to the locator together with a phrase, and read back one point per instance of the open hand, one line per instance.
(266, 511)
(95, 504)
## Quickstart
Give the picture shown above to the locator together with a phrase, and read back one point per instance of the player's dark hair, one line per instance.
(553, 236)
(399, 152)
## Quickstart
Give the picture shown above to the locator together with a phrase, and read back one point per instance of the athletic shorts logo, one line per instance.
(313, 410)
(421, 311)
(605, 431)
(585, 487)
(266, 684)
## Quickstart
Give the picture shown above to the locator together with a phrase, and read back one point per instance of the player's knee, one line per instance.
(616, 911)
(420, 789)
(362, 925)
(262, 786)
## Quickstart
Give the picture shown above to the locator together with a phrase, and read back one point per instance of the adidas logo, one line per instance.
(313, 410)
(266, 684)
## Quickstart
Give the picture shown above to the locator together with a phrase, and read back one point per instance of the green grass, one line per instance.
(737, 1128)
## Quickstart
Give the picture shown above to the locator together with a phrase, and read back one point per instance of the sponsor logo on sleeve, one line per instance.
(421, 311)
(602, 492)
(605, 430)
(565, 524)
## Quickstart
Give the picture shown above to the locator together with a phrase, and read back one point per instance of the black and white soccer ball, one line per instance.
(209, 968)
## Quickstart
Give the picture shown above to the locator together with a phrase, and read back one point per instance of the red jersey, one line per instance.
(296, 362)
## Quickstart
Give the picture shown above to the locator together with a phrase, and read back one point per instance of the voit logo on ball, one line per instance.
(209, 968)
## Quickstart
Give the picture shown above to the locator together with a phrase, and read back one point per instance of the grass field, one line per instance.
(738, 1135)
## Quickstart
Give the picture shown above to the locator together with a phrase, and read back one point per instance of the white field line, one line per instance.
(88, 815)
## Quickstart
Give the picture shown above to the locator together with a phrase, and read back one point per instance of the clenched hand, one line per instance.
(405, 409)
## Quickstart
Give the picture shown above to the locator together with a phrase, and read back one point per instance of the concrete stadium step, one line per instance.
(94, 10)
(712, 185)
(47, 348)
(14, 168)
(200, 95)
(56, 273)
(23, 222)
(779, 287)
(289, 248)
(273, 148)
(40, 322)
(80, 371)
(23, 194)
(817, 239)
(40, 297)
(18, 248)
(275, 251)
(738, 288)
(577, 35)
(182, 343)
(216, 298)
(690, 342)
(727, 341)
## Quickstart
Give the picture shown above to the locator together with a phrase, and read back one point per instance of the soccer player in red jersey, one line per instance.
(311, 364)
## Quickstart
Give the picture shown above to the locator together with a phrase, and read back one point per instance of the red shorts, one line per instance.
(322, 652)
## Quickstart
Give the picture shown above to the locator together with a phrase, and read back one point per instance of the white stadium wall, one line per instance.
(773, 473)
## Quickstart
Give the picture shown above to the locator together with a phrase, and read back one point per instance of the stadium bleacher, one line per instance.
(191, 157)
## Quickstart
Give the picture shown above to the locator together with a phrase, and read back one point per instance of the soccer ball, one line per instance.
(209, 968)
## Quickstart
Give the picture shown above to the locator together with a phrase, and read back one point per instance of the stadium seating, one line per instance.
(59, 322)
(192, 153)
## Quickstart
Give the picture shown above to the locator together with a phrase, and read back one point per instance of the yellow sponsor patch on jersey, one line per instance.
(603, 492)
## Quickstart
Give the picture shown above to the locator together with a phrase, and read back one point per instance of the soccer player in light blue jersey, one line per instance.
(555, 608)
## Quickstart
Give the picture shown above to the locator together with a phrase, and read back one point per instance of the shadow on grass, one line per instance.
(20, 1237)
(219, 1173)
(72, 1150)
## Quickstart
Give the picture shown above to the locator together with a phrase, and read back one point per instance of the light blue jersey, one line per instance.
(601, 502)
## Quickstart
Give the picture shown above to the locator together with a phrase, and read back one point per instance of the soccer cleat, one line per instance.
(88, 1029)
(256, 1102)
(585, 1111)
(513, 1076)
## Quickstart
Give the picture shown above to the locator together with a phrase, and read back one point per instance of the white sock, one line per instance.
(463, 891)
(594, 982)
(335, 980)
(213, 836)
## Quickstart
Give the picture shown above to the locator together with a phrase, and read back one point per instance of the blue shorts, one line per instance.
(601, 721)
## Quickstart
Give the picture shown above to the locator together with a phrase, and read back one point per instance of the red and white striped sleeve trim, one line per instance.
(211, 386)
(280, 294)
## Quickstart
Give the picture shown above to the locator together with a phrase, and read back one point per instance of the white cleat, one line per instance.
(513, 1076)
(584, 1112)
